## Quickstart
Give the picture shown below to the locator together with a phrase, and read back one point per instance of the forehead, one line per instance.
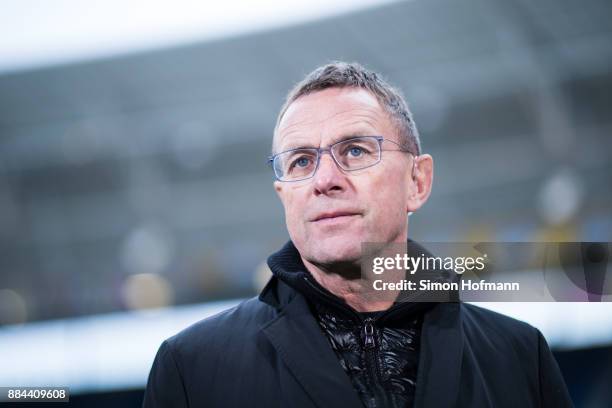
(323, 116)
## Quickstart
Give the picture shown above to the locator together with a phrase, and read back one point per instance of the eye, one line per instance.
(301, 162)
(355, 151)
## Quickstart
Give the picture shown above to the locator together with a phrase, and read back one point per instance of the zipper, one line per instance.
(372, 359)
(369, 340)
(369, 345)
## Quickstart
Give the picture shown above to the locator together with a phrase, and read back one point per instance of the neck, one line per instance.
(346, 283)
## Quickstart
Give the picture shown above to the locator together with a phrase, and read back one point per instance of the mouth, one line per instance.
(335, 216)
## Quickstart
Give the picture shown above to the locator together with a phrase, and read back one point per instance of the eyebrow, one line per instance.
(345, 136)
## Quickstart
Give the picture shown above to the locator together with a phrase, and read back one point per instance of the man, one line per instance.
(349, 170)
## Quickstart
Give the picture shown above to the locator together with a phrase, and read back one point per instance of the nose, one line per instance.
(329, 178)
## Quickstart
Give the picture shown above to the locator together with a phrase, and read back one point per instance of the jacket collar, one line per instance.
(287, 267)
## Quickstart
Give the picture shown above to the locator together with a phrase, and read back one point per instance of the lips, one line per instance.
(332, 215)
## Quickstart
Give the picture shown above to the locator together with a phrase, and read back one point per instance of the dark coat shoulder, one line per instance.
(495, 329)
(224, 328)
(206, 363)
(510, 354)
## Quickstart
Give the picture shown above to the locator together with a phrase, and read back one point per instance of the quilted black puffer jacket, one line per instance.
(380, 359)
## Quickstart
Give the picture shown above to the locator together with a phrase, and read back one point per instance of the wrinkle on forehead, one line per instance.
(355, 105)
(357, 125)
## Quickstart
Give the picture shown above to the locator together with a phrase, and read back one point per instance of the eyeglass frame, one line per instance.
(321, 150)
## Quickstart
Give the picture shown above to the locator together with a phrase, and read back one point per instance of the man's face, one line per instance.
(329, 215)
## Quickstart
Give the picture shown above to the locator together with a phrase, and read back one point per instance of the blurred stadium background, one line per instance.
(135, 198)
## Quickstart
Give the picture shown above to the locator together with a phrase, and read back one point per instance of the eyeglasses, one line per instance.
(350, 154)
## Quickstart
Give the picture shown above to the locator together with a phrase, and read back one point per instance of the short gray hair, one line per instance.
(338, 74)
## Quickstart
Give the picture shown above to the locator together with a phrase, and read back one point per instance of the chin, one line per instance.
(333, 250)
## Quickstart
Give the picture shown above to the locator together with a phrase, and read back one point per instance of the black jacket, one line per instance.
(269, 351)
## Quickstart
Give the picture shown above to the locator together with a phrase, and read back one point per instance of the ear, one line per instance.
(278, 187)
(422, 178)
